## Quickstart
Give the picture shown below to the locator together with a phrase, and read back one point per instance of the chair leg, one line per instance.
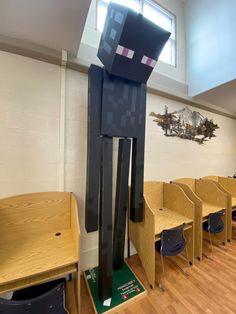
(210, 257)
(233, 229)
(162, 283)
(184, 272)
(187, 259)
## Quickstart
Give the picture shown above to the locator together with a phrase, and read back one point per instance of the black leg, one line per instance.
(128, 246)
(93, 147)
(105, 221)
(121, 203)
(136, 204)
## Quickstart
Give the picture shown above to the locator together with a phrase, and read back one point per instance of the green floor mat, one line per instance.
(125, 287)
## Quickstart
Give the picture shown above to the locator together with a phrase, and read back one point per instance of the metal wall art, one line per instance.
(186, 124)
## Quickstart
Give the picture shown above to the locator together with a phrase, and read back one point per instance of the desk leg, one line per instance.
(222, 236)
(198, 235)
(229, 223)
(78, 288)
(73, 293)
(142, 235)
(189, 235)
(75, 285)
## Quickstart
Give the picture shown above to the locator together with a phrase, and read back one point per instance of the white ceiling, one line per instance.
(55, 24)
(223, 96)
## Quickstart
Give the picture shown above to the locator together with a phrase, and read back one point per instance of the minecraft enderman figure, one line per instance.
(129, 48)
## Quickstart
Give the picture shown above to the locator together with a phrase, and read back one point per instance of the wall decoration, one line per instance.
(186, 124)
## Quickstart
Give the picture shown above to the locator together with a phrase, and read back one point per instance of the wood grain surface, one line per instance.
(39, 240)
(157, 217)
(210, 288)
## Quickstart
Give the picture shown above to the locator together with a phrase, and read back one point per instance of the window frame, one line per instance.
(172, 40)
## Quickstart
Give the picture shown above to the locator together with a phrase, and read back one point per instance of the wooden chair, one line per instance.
(228, 186)
(39, 239)
(208, 198)
(165, 206)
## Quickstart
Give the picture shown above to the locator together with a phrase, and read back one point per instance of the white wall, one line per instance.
(211, 47)
(29, 125)
(29, 138)
(166, 158)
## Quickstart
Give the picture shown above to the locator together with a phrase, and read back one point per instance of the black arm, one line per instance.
(136, 200)
(95, 77)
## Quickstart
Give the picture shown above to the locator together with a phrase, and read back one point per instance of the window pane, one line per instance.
(165, 20)
(101, 16)
(157, 17)
(132, 4)
(165, 55)
(102, 10)
(168, 53)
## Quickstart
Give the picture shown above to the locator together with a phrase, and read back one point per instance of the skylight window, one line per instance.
(153, 12)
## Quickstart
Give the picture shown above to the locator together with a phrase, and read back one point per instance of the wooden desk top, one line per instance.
(208, 208)
(21, 258)
(166, 219)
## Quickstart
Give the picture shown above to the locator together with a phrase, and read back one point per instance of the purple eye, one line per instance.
(125, 52)
(148, 61)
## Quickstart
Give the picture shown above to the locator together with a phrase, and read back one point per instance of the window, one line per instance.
(153, 12)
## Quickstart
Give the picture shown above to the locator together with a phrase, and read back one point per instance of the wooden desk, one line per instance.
(208, 198)
(208, 208)
(166, 218)
(233, 203)
(176, 209)
(39, 239)
(228, 186)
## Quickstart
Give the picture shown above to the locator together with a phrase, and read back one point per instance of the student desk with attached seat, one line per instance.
(165, 206)
(228, 186)
(39, 240)
(208, 198)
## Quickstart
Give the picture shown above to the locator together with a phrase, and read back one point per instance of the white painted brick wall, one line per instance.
(165, 159)
(29, 138)
(29, 125)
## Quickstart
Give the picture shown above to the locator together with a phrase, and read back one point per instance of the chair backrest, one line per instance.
(49, 302)
(234, 215)
(215, 223)
(172, 241)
